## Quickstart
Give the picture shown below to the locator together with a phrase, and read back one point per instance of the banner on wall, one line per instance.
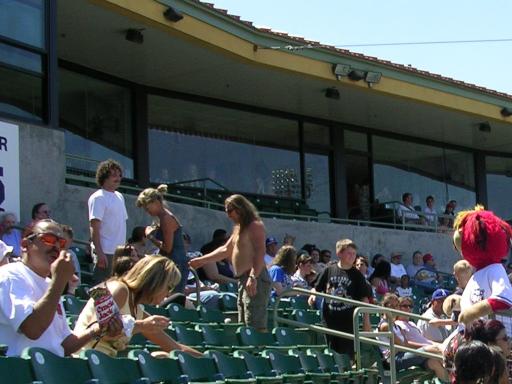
(9, 169)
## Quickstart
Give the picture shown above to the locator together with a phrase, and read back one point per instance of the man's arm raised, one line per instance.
(44, 310)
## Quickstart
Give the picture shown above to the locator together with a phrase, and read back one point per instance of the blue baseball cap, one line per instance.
(440, 294)
(270, 240)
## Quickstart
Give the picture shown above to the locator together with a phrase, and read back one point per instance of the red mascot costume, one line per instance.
(483, 239)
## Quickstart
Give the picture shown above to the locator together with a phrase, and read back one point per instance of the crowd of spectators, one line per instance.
(408, 213)
(152, 268)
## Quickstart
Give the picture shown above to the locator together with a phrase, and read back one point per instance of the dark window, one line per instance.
(499, 185)
(241, 151)
(20, 58)
(423, 170)
(23, 21)
(97, 117)
(22, 53)
(318, 186)
(21, 94)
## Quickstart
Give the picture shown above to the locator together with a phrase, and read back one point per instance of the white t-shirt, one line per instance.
(438, 334)
(20, 289)
(489, 282)
(398, 270)
(404, 292)
(412, 332)
(430, 214)
(268, 260)
(109, 208)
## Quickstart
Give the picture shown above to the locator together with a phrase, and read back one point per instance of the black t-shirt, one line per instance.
(349, 283)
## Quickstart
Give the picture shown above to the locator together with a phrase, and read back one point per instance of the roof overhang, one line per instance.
(210, 54)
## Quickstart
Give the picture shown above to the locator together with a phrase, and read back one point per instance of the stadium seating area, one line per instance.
(233, 353)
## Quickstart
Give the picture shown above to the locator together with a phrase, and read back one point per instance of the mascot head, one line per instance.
(481, 237)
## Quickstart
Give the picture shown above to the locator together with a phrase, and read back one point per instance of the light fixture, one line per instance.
(506, 112)
(134, 35)
(484, 127)
(341, 70)
(332, 93)
(372, 77)
(173, 15)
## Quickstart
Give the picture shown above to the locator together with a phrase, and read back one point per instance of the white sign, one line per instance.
(9, 168)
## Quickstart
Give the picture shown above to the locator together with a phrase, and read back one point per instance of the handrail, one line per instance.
(203, 179)
(357, 337)
(287, 216)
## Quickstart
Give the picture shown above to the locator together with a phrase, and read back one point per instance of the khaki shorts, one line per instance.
(252, 311)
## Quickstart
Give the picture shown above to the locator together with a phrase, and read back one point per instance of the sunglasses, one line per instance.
(49, 239)
(229, 209)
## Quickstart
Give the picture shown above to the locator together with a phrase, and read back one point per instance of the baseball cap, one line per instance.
(4, 249)
(440, 294)
(427, 257)
(270, 240)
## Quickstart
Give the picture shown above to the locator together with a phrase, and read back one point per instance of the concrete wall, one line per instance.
(201, 222)
(42, 168)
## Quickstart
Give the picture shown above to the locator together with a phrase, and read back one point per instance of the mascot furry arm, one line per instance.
(483, 239)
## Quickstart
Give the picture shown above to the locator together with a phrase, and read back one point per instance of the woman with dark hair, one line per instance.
(361, 265)
(141, 244)
(304, 268)
(491, 332)
(379, 279)
(125, 257)
(283, 266)
(476, 362)
(376, 259)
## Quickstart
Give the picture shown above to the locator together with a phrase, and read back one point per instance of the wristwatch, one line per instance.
(252, 277)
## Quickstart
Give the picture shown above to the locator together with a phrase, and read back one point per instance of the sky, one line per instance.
(341, 22)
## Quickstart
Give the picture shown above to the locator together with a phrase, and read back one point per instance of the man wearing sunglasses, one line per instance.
(31, 314)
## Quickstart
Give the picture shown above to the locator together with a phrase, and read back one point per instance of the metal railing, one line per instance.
(321, 217)
(425, 221)
(357, 336)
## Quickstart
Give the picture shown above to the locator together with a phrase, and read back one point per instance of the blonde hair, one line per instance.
(343, 244)
(246, 210)
(149, 276)
(388, 298)
(149, 195)
(462, 266)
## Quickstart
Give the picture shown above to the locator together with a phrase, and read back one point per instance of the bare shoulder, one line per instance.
(257, 226)
(119, 292)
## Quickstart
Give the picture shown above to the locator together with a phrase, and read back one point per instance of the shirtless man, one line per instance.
(246, 249)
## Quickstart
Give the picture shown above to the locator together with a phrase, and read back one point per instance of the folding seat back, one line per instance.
(188, 336)
(231, 367)
(197, 369)
(73, 305)
(152, 310)
(157, 370)
(228, 303)
(250, 336)
(211, 315)
(178, 314)
(15, 370)
(109, 370)
(50, 368)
